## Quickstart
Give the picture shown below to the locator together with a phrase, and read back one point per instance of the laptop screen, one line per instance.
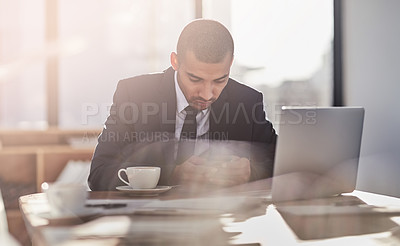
(317, 152)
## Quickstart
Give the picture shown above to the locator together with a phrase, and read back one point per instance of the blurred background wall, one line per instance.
(371, 64)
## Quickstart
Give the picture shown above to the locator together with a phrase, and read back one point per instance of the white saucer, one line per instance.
(84, 213)
(144, 192)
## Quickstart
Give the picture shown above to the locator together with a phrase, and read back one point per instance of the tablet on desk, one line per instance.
(317, 152)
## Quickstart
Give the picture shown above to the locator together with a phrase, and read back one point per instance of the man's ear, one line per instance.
(174, 61)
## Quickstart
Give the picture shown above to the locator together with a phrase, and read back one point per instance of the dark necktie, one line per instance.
(189, 129)
(188, 136)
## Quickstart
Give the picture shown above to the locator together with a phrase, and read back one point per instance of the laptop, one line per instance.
(317, 152)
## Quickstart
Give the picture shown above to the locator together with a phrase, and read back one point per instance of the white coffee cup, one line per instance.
(65, 199)
(141, 177)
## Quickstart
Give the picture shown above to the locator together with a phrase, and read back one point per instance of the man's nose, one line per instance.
(206, 91)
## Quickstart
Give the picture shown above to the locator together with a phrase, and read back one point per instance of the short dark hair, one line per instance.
(208, 39)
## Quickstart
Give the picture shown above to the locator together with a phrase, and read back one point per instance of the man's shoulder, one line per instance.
(146, 87)
(145, 80)
(235, 88)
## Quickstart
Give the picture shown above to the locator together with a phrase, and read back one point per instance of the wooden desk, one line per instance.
(307, 222)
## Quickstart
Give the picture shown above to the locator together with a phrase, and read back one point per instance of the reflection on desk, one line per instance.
(233, 217)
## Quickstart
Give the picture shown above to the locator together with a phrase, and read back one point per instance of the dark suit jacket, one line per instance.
(141, 125)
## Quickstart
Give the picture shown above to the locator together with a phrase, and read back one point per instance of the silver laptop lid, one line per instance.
(317, 152)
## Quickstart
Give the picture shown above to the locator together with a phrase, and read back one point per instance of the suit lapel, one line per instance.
(219, 115)
(168, 101)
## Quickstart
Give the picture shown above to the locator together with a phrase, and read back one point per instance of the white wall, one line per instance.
(371, 56)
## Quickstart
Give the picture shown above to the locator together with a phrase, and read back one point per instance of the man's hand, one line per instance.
(235, 171)
(197, 170)
(193, 171)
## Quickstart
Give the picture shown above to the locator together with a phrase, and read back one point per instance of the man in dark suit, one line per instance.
(162, 119)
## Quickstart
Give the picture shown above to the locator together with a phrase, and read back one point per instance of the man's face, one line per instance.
(201, 82)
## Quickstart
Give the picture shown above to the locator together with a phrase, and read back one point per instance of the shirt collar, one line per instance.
(181, 102)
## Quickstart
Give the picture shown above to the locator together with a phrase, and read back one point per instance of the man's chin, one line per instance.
(201, 106)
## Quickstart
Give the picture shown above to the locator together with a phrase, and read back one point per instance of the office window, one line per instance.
(282, 48)
(110, 40)
(23, 54)
(100, 42)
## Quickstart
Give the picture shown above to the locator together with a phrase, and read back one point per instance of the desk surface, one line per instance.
(240, 216)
